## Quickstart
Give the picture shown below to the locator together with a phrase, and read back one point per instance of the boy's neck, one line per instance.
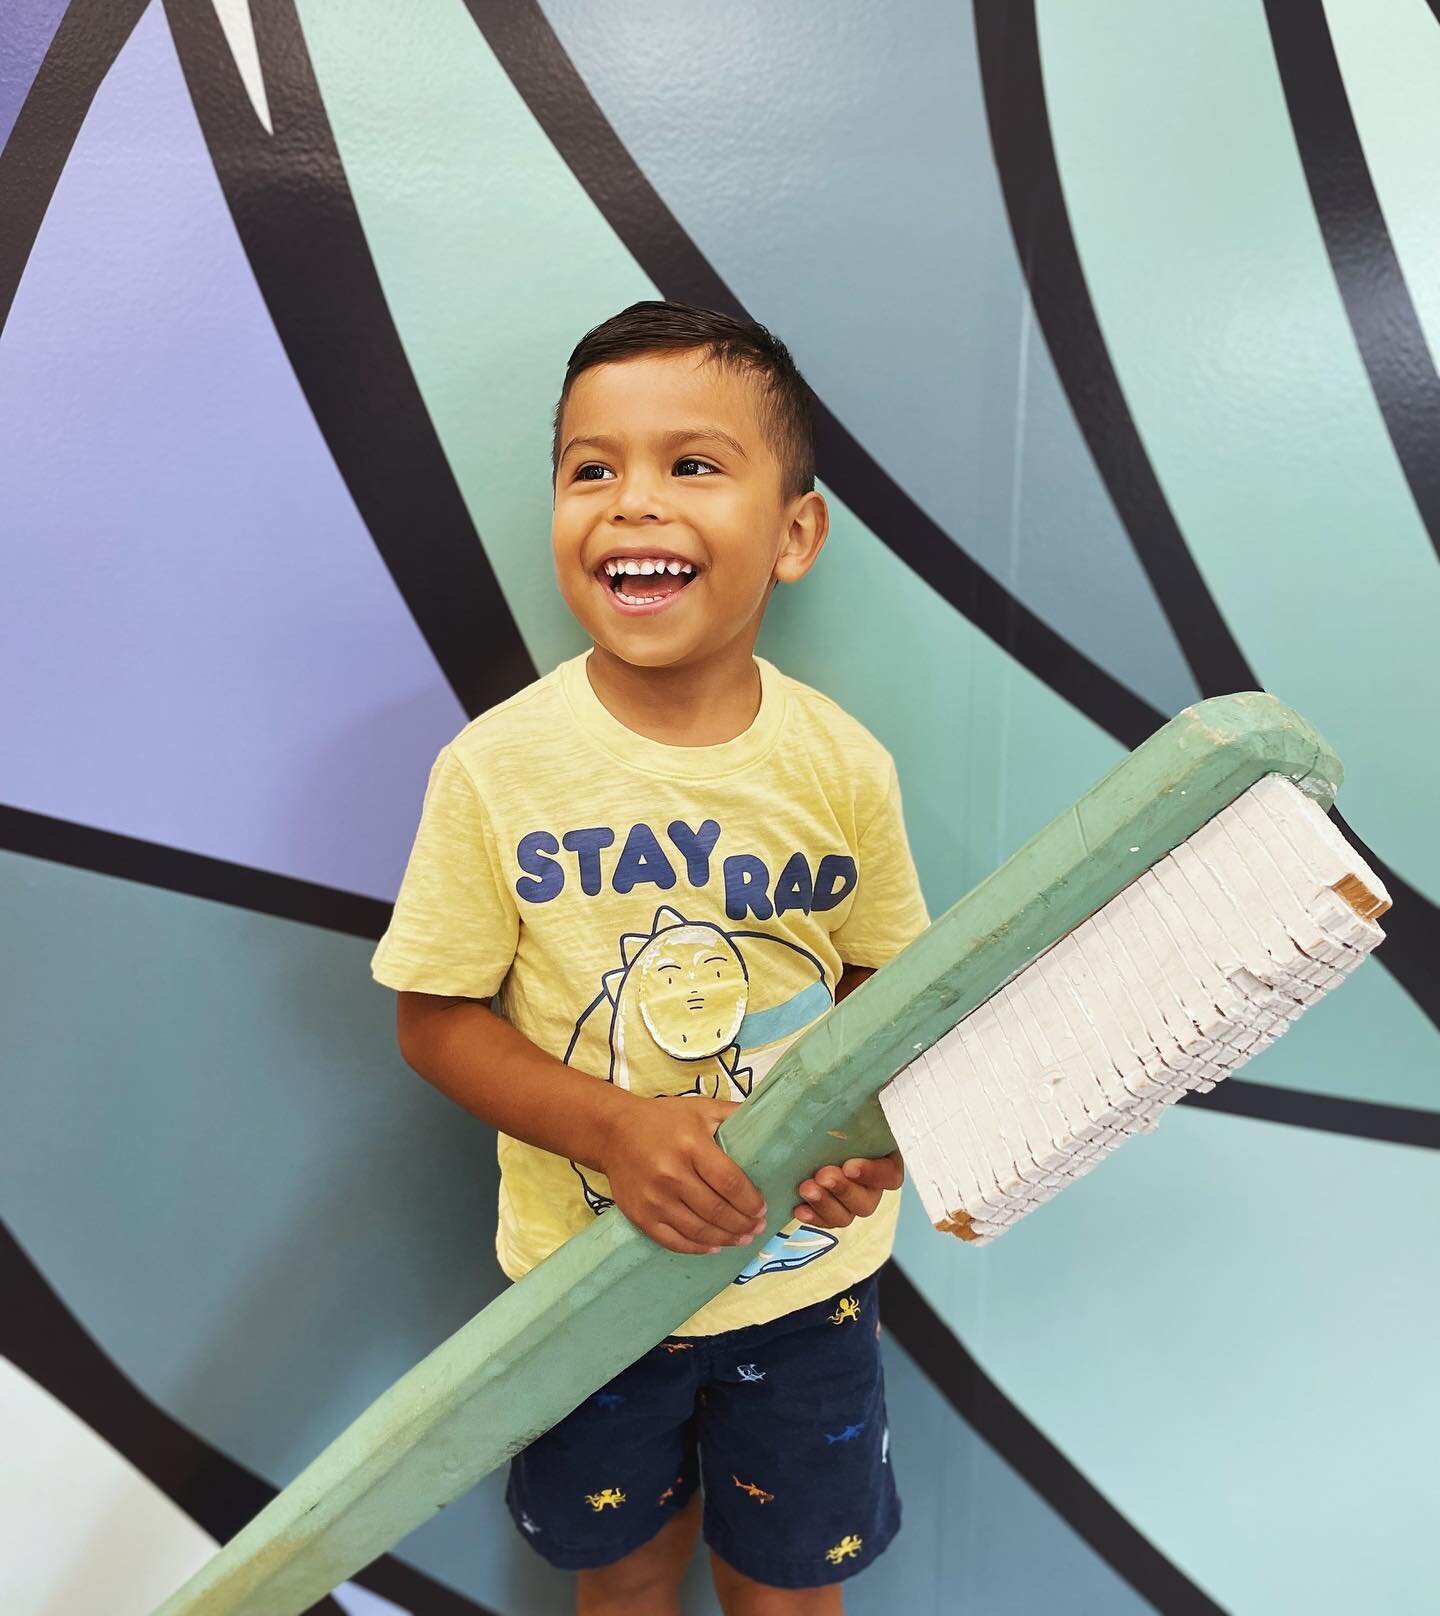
(700, 704)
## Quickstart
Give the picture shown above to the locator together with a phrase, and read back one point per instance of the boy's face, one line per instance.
(658, 486)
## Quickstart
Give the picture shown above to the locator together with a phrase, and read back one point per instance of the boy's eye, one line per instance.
(689, 460)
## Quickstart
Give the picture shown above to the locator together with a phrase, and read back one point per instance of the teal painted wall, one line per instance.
(1076, 287)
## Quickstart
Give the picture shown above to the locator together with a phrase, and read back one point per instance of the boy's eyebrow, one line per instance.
(679, 435)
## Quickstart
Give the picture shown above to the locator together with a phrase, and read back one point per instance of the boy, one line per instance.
(667, 858)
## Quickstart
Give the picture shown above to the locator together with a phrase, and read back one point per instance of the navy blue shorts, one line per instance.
(784, 1424)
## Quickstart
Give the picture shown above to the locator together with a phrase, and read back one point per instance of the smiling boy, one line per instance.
(662, 861)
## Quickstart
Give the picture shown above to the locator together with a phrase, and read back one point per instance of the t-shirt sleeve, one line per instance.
(455, 924)
(889, 908)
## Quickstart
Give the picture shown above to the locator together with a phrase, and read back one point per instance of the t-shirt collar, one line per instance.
(659, 757)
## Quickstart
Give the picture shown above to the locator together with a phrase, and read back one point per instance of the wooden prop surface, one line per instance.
(610, 1294)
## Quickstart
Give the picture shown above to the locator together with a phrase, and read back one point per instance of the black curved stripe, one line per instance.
(82, 51)
(218, 1494)
(938, 1353)
(1020, 136)
(297, 221)
(929, 1341)
(526, 47)
(89, 38)
(292, 899)
(1330, 1113)
(1019, 122)
(196, 875)
(1412, 929)
(1367, 269)
(523, 42)
(42, 1338)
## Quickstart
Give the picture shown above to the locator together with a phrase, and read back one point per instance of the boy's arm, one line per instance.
(666, 1173)
(851, 976)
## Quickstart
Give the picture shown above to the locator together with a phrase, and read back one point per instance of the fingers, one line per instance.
(680, 1227)
(729, 1182)
(665, 1234)
(879, 1172)
(834, 1197)
(826, 1203)
(714, 1212)
(673, 1225)
(677, 1185)
(678, 1198)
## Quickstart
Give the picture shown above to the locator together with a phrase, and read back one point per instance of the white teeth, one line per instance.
(647, 566)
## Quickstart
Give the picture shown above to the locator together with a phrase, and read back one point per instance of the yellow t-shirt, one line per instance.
(669, 918)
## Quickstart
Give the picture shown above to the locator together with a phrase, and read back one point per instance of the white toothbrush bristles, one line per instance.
(1201, 962)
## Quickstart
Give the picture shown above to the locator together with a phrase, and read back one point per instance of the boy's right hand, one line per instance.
(673, 1182)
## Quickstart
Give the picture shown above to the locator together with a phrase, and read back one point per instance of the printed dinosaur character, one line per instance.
(681, 1007)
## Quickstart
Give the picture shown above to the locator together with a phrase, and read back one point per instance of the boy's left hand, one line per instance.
(836, 1196)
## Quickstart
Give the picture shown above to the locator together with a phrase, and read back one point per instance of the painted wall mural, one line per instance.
(1123, 320)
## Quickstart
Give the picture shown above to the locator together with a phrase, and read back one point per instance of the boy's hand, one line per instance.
(673, 1182)
(836, 1196)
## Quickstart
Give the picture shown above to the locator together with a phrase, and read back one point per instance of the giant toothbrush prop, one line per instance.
(1161, 931)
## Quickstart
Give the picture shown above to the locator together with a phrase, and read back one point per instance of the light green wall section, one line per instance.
(1370, 1041)
(945, 700)
(473, 217)
(1232, 1328)
(1389, 54)
(258, 1212)
(493, 260)
(1217, 301)
(1195, 1397)
(1214, 1326)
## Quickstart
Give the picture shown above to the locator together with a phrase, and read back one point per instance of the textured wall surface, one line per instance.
(1123, 322)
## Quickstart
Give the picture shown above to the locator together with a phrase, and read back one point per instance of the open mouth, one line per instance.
(647, 582)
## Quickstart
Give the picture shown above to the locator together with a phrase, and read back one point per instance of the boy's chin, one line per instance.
(642, 651)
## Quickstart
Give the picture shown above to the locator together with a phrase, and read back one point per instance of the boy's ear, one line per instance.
(804, 538)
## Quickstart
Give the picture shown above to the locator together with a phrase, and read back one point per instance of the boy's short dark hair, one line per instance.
(786, 415)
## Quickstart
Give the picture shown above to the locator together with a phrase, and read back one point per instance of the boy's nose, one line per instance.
(637, 499)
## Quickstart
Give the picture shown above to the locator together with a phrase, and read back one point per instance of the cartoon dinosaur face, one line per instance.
(671, 1014)
(691, 990)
